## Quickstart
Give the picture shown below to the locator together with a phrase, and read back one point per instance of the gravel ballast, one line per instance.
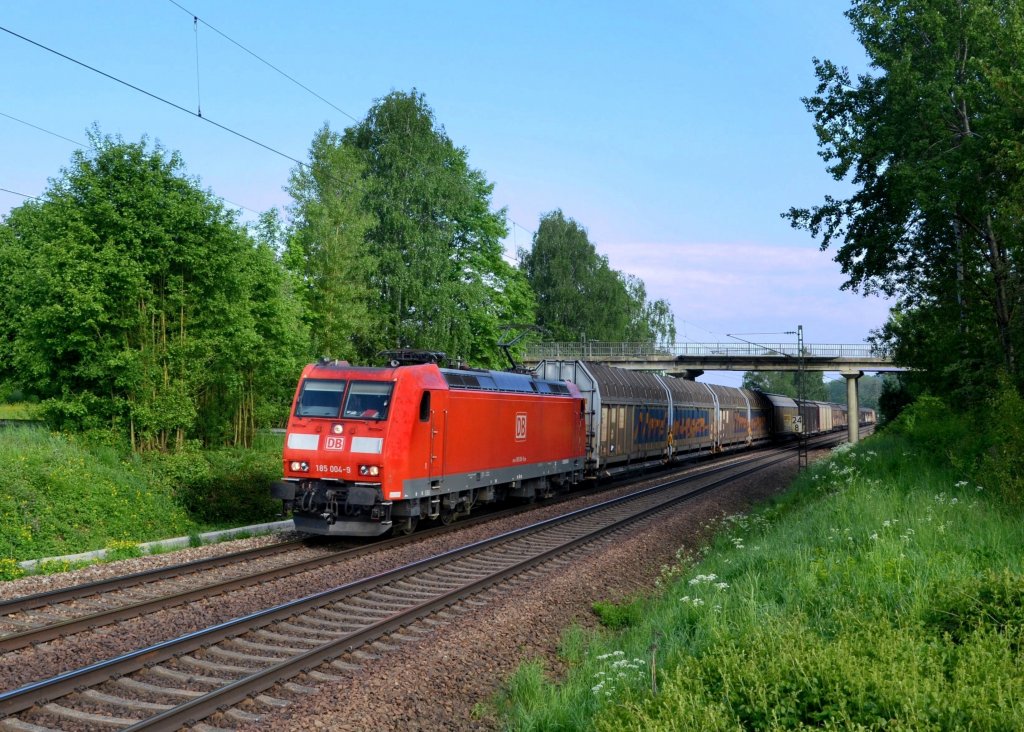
(447, 681)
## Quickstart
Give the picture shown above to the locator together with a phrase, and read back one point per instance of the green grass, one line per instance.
(64, 495)
(885, 591)
(21, 410)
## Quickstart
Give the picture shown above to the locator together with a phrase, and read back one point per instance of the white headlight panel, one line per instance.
(297, 441)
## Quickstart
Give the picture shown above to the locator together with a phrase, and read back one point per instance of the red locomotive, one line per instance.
(371, 449)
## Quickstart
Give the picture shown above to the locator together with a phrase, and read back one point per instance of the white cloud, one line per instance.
(719, 288)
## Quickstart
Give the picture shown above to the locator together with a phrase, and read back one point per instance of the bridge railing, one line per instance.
(598, 350)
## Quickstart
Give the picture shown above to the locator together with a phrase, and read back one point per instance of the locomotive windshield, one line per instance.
(368, 399)
(320, 398)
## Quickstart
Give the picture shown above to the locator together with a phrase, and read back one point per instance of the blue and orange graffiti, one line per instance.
(650, 425)
(690, 423)
(757, 423)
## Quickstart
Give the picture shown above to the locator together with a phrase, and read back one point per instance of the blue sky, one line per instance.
(673, 131)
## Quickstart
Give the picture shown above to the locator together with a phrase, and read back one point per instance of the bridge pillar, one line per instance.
(852, 404)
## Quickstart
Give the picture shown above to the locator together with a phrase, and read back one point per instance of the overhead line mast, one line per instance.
(802, 459)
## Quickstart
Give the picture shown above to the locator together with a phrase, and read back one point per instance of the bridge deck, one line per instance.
(717, 356)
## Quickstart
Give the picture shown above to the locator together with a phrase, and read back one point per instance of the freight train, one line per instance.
(370, 450)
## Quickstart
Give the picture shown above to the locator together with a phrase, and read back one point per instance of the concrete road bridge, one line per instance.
(690, 360)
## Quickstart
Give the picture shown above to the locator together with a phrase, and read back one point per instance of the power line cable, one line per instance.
(153, 96)
(23, 195)
(48, 132)
(158, 97)
(92, 147)
(197, 19)
(259, 58)
(184, 109)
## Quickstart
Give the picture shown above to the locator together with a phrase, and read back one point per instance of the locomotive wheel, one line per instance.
(447, 516)
(405, 527)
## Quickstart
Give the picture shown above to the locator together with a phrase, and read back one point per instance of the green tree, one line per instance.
(933, 142)
(580, 297)
(436, 244)
(869, 389)
(137, 303)
(328, 252)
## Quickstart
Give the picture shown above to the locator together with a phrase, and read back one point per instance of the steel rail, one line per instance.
(87, 589)
(78, 624)
(70, 626)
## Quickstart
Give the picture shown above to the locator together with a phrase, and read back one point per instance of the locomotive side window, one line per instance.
(425, 407)
(320, 398)
(368, 400)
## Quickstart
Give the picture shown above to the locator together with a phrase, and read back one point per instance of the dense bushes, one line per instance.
(229, 485)
(61, 496)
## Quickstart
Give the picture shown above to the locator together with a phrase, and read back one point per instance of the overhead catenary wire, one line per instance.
(197, 19)
(262, 60)
(152, 95)
(19, 193)
(42, 129)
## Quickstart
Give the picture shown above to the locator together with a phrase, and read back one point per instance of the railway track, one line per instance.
(186, 680)
(47, 616)
(59, 613)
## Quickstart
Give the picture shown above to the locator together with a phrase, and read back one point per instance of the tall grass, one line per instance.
(62, 494)
(21, 410)
(884, 592)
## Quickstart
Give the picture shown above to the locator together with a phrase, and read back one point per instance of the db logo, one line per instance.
(520, 426)
(335, 443)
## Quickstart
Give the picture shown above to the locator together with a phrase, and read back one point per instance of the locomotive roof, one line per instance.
(502, 381)
(470, 379)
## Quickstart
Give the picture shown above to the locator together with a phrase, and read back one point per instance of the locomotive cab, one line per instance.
(334, 454)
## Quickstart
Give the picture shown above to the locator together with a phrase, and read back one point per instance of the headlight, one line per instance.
(298, 467)
(369, 470)
(338, 429)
